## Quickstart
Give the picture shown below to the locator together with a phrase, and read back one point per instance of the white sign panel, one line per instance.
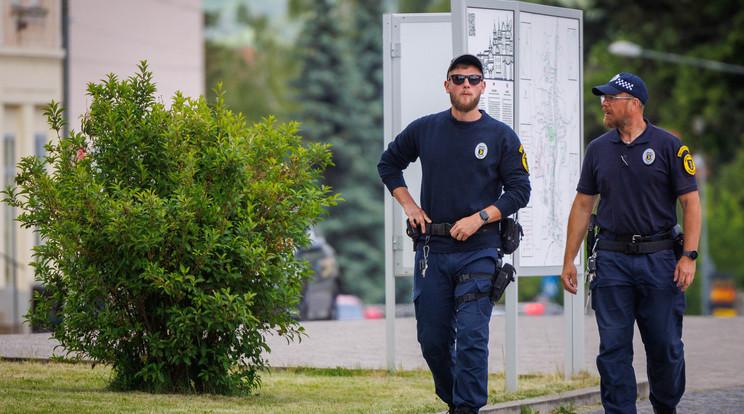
(550, 130)
(491, 38)
(420, 49)
(532, 64)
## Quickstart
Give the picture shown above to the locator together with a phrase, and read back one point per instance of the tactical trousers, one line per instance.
(454, 338)
(638, 289)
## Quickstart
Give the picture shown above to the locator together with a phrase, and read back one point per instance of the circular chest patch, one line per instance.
(649, 156)
(481, 150)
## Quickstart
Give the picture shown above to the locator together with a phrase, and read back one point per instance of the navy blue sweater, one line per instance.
(465, 166)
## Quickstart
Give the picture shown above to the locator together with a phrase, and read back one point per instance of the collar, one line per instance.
(466, 123)
(642, 139)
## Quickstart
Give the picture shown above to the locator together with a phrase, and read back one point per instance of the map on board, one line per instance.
(491, 38)
(550, 130)
(543, 107)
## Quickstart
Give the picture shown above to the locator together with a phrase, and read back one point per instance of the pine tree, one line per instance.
(339, 90)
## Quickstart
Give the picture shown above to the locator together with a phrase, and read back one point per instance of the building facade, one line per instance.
(31, 62)
(37, 66)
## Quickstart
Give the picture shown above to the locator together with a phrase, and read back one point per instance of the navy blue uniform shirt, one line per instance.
(638, 183)
(465, 166)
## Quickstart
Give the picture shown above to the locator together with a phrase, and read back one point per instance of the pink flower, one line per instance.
(80, 154)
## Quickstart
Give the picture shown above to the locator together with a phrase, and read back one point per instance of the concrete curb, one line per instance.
(548, 403)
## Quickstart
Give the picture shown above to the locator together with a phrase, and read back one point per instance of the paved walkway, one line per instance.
(714, 349)
(720, 401)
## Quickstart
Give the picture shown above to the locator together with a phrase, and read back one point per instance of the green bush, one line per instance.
(169, 236)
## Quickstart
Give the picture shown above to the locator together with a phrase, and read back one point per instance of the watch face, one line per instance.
(693, 254)
(483, 215)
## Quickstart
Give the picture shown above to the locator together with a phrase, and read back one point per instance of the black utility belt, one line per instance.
(441, 229)
(638, 247)
(509, 230)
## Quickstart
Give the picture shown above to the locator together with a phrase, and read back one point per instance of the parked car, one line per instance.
(321, 289)
(349, 307)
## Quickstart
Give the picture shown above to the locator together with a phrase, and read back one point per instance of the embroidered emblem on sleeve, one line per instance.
(682, 150)
(524, 159)
(689, 164)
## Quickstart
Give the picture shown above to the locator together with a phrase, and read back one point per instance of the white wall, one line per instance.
(113, 36)
(30, 77)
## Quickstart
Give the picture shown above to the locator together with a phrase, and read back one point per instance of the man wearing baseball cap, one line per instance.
(467, 158)
(639, 266)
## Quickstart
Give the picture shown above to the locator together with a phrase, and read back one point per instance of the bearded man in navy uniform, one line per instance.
(639, 171)
(474, 173)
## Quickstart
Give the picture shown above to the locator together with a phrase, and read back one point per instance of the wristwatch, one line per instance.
(484, 216)
(692, 254)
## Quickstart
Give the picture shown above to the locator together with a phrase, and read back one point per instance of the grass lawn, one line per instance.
(35, 387)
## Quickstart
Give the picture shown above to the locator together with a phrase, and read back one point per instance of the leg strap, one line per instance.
(469, 297)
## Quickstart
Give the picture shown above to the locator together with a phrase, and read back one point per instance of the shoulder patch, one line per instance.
(689, 164)
(524, 159)
(682, 150)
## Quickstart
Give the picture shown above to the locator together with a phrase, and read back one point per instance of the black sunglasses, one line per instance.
(460, 79)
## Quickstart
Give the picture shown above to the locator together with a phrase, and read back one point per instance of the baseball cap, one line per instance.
(468, 60)
(623, 82)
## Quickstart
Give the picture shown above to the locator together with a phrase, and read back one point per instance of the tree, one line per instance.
(726, 220)
(257, 75)
(170, 236)
(339, 96)
(696, 102)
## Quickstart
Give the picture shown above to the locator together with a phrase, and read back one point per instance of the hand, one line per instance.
(568, 277)
(416, 217)
(684, 273)
(466, 227)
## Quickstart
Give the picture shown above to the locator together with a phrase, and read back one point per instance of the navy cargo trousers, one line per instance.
(639, 289)
(454, 338)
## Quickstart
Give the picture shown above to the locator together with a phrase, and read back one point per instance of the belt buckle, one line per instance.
(634, 247)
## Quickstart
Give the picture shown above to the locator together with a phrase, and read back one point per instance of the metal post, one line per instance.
(389, 270)
(512, 300)
(573, 314)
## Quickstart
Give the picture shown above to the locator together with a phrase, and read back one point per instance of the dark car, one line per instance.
(320, 290)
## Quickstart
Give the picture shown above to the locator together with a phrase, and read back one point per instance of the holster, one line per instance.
(679, 240)
(501, 279)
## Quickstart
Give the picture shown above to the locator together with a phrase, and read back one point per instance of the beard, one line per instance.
(460, 104)
(613, 122)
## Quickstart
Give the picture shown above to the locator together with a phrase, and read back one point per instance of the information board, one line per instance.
(414, 81)
(532, 65)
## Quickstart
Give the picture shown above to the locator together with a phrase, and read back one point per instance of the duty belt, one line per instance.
(443, 229)
(637, 244)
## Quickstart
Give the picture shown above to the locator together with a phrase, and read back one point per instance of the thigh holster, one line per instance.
(499, 281)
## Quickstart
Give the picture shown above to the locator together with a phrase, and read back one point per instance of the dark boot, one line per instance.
(464, 410)
(664, 411)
